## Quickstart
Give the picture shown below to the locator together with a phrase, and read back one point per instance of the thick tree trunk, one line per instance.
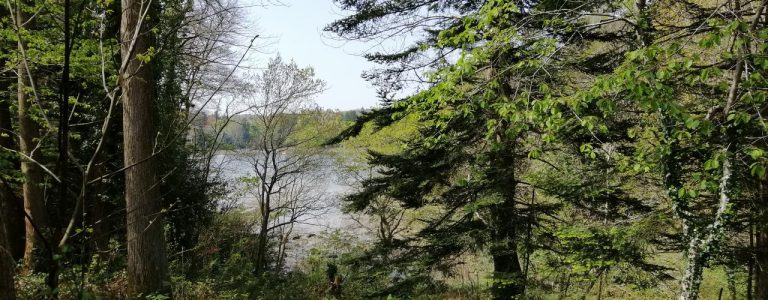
(29, 132)
(509, 281)
(147, 264)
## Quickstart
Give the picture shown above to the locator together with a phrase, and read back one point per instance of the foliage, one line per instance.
(588, 102)
(533, 149)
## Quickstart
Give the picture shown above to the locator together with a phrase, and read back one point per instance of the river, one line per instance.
(232, 165)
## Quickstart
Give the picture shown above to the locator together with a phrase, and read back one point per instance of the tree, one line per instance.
(81, 192)
(384, 217)
(29, 133)
(486, 115)
(196, 71)
(147, 265)
(684, 114)
(283, 156)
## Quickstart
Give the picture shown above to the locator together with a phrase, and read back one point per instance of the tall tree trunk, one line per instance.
(147, 263)
(509, 281)
(29, 132)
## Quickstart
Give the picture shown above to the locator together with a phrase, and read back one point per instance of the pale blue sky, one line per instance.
(297, 31)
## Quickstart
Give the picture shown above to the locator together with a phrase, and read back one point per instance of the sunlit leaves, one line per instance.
(588, 150)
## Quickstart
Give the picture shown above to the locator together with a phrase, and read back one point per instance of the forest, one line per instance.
(520, 149)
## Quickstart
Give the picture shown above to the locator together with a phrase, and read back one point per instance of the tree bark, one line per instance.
(147, 263)
(509, 281)
(692, 275)
(29, 132)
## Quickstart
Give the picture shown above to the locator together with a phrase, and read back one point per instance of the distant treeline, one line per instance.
(236, 132)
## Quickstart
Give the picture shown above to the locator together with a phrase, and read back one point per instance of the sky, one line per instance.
(296, 32)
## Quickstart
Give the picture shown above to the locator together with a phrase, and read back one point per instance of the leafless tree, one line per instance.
(300, 199)
(284, 156)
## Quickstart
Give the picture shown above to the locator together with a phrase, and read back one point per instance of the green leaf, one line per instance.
(586, 148)
(711, 164)
(632, 133)
(692, 123)
(758, 170)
